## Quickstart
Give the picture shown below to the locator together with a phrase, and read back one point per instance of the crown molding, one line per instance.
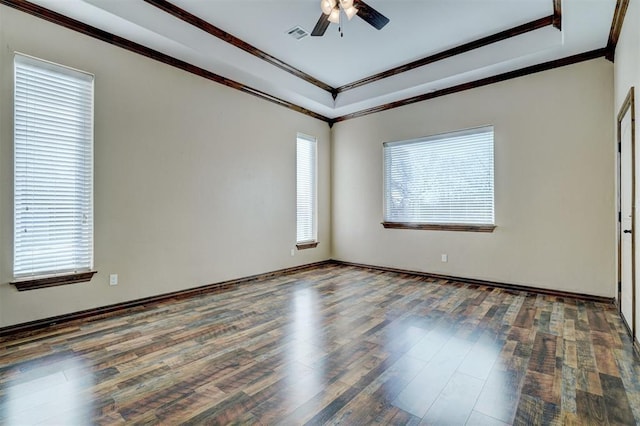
(593, 54)
(616, 28)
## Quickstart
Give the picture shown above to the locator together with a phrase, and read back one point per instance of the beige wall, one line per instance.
(627, 75)
(194, 181)
(554, 183)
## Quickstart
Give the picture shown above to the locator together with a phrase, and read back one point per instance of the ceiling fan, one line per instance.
(331, 13)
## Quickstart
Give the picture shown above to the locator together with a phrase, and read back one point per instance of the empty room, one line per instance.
(319, 212)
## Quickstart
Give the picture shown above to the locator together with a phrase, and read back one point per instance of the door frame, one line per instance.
(628, 106)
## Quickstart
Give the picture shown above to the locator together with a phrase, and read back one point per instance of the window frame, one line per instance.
(437, 226)
(313, 242)
(29, 280)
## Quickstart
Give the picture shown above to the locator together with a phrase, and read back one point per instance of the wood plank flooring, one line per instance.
(331, 345)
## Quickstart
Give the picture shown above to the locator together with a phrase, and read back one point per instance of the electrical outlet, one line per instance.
(293, 252)
(444, 258)
(113, 279)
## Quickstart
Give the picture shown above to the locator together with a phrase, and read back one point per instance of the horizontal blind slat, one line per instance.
(306, 150)
(440, 179)
(53, 175)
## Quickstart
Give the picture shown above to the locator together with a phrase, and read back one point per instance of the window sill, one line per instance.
(32, 283)
(303, 246)
(439, 227)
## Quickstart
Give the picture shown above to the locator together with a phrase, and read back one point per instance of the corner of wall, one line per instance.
(332, 130)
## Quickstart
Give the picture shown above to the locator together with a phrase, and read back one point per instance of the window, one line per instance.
(53, 173)
(306, 150)
(440, 182)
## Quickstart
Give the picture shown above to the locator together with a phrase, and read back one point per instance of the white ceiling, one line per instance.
(417, 28)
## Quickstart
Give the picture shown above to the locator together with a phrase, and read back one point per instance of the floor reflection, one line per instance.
(58, 392)
(443, 376)
(330, 346)
(305, 369)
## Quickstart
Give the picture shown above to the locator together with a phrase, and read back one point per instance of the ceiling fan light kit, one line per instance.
(332, 8)
(327, 6)
(334, 16)
(350, 12)
(331, 14)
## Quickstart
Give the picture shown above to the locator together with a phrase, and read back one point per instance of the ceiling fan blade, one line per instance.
(321, 26)
(372, 16)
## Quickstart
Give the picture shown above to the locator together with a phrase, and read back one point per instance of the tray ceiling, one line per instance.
(246, 42)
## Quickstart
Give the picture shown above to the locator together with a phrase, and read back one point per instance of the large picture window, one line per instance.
(53, 170)
(306, 176)
(440, 182)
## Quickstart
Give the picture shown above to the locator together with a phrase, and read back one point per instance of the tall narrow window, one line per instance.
(440, 182)
(306, 220)
(53, 173)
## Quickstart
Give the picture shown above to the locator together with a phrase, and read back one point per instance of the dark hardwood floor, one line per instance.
(332, 345)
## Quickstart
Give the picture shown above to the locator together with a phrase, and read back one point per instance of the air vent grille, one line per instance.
(298, 32)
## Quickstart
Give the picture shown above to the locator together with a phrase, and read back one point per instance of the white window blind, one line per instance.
(53, 169)
(306, 189)
(442, 179)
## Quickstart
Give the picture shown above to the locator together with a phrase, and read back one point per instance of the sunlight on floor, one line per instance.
(58, 392)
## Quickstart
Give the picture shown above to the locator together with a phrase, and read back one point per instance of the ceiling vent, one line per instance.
(298, 32)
